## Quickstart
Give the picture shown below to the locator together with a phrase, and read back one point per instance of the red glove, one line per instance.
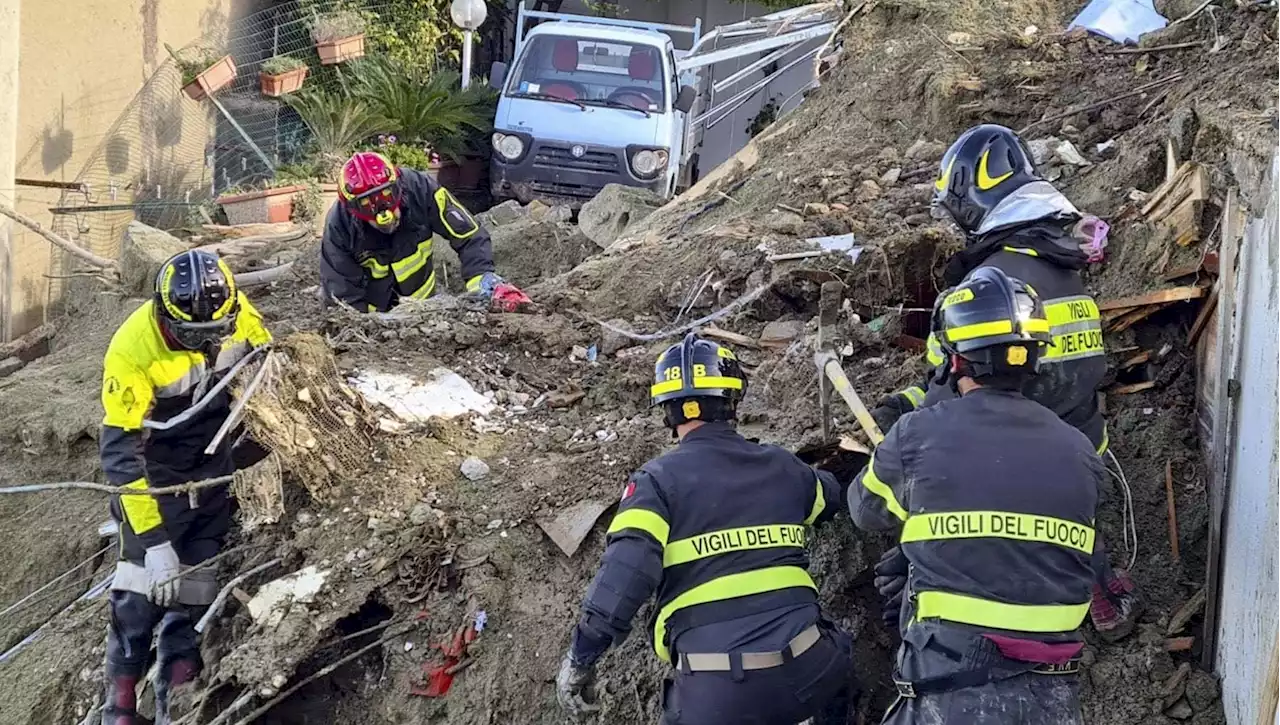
(508, 298)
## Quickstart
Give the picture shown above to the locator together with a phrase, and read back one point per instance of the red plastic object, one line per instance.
(440, 676)
(509, 298)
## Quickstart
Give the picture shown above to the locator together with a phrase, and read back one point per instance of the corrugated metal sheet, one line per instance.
(1249, 591)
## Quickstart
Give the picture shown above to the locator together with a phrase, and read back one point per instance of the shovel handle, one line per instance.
(831, 368)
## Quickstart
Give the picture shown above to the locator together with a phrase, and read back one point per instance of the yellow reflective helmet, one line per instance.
(697, 379)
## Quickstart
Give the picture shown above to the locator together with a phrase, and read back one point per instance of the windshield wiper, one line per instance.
(619, 104)
(547, 97)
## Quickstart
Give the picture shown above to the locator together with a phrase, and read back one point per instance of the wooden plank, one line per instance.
(1134, 317)
(1218, 482)
(1179, 644)
(1109, 315)
(1206, 311)
(1173, 294)
(732, 338)
(1173, 511)
(1183, 270)
(1138, 359)
(1132, 388)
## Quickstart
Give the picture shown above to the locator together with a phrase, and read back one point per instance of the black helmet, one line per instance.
(994, 322)
(697, 379)
(195, 299)
(985, 165)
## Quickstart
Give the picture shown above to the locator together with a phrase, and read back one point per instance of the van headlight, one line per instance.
(509, 146)
(649, 162)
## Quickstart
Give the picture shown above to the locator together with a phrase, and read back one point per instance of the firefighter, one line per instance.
(167, 355)
(1015, 221)
(377, 241)
(717, 528)
(994, 497)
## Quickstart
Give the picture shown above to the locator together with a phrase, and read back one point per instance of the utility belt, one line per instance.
(978, 678)
(743, 661)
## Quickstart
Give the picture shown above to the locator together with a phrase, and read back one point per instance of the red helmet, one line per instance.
(370, 187)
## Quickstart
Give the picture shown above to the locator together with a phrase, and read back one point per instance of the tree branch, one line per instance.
(118, 490)
(69, 247)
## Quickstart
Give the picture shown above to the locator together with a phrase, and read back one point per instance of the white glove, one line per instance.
(163, 568)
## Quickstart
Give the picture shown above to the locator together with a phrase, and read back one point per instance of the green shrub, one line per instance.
(281, 64)
(338, 122)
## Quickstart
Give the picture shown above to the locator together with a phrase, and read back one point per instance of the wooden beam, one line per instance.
(1173, 294)
(1206, 311)
(732, 338)
(1138, 359)
(1173, 510)
(1132, 388)
(1133, 317)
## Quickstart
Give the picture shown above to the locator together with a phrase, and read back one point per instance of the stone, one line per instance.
(816, 208)
(869, 190)
(1202, 691)
(570, 526)
(505, 213)
(890, 177)
(1183, 127)
(474, 469)
(784, 222)
(924, 149)
(917, 219)
(604, 218)
(421, 513)
(781, 333)
(611, 341)
(10, 365)
(888, 154)
(839, 207)
(143, 251)
(558, 213)
(1181, 710)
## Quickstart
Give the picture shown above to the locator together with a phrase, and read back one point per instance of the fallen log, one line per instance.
(67, 246)
(263, 276)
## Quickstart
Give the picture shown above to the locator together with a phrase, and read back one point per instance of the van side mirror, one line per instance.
(684, 101)
(497, 74)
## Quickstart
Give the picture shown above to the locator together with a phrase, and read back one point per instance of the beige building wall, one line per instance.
(82, 63)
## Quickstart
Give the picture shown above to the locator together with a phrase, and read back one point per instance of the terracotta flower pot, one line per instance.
(211, 79)
(343, 49)
(260, 207)
(278, 85)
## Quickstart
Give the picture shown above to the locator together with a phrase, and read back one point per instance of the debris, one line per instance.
(868, 190)
(606, 217)
(1122, 21)
(733, 338)
(837, 243)
(781, 333)
(440, 676)
(1181, 710)
(1053, 152)
(1206, 312)
(1174, 294)
(474, 469)
(274, 598)
(1122, 319)
(1155, 48)
(564, 398)
(570, 526)
(1178, 203)
(445, 394)
(613, 341)
(422, 513)
(10, 365)
(31, 346)
(1178, 644)
(816, 208)
(890, 177)
(508, 298)
(1132, 388)
(1138, 359)
(791, 256)
(922, 150)
(1173, 511)
(1172, 689)
(829, 366)
(1105, 102)
(1184, 614)
(142, 251)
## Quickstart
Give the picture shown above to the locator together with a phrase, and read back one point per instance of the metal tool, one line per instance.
(828, 316)
(829, 366)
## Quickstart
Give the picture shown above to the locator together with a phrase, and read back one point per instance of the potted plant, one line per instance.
(204, 71)
(282, 74)
(339, 37)
(270, 204)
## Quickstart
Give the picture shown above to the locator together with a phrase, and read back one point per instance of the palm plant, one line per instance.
(434, 111)
(338, 122)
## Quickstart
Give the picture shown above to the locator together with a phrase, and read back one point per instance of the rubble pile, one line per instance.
(488, 447)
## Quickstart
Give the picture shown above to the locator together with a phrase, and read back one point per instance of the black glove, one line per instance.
(575, 687)
(892, 407)
(890, 582)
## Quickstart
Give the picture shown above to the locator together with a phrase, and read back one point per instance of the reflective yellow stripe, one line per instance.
(1065, 310)
(1075, 345)
(914, 395)
(405, 268)
(443, 200)
(819, 505)
(979, 329)
(1076, 327)
(1034, 325)
(999, 615)
(643, 520)
(933, 351)
(998, 524)
(376, 268)
(1022, 250)
(881, 489)
(730, 586)
(427, 287)
(726, 353)
(725, 541)
(665, 386)
(473, 284)
(715, 381)
(142, 512)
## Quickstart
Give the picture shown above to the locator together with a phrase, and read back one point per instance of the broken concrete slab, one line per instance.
(444, 394)
(144, 250)
(604, 218)
(571, 525)
(274, 599)
(781, 333)
(474, 469)
(10, 365)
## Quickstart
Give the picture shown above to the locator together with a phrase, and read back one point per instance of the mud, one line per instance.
(407, 538)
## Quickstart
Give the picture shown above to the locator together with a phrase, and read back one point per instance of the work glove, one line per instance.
(162, 574)
(895, 405)
(890, 582)
(484, 284)
(575, 687)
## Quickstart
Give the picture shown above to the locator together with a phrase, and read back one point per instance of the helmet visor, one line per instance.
(378, 205)
(201, 335)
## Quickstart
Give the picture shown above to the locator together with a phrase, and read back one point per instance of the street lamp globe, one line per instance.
(468, 14)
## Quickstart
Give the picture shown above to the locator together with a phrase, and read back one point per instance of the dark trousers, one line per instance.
(1027, 699)
(133, 619)
(819, 683)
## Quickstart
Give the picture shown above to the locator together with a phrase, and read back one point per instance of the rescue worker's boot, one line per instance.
(180, 664)
(1115, 607)
(132, 618)
(121, 705)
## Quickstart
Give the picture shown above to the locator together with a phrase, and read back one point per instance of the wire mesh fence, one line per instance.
(167, 155)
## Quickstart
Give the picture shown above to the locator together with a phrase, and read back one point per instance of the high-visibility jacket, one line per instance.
(144, 379)
(717, 527)
(995, 497)
(1073, 366)
(371, 271)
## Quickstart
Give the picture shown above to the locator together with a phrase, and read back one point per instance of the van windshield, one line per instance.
(591, 72)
